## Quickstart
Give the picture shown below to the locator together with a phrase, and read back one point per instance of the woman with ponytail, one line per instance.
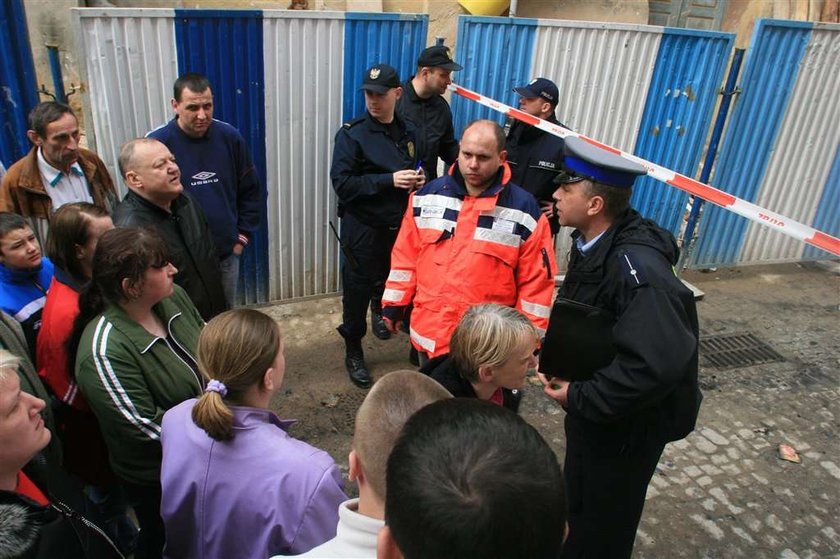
(235, 484)
(136, 335)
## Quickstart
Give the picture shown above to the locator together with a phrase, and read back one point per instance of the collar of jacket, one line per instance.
(8, 275)
(528, 133)
(30, 176)
(596, 255)
(457, 180)
(63, 276)
(246, 417)
(177, 203)
(411, 93)
(166, 310)
(376, 126)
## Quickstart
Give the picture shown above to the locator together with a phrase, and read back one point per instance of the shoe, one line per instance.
(413, 356)
(359, 375)
(354, 360)
(378, 327)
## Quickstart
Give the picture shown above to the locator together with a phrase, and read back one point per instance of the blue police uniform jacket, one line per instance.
(535, 158)
(365, 158)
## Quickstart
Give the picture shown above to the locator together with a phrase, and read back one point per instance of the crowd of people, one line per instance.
(136, 402)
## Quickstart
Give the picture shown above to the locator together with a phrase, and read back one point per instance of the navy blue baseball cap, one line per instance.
(379, 78)
(587, 161)
(540, 87)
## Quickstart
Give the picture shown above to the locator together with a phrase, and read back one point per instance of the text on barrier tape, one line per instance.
(725, 200)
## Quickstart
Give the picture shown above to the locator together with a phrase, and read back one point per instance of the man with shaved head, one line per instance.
(470, 237)
(389, 404)
(157, 199)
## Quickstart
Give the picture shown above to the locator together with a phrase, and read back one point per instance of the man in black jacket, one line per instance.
(620, 415)
(535, 157)
(423, 105)
(157, 199)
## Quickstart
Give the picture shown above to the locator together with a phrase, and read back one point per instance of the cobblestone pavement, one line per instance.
(722, 492)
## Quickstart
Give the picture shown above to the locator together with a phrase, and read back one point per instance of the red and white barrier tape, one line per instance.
(710, 194)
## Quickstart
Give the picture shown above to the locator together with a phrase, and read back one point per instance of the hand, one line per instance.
(393, 326)
(557, 389)
(547, 208)
(421, 179)
(238, 248)
(405, 179)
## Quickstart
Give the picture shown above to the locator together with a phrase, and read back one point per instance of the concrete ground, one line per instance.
(722, 492)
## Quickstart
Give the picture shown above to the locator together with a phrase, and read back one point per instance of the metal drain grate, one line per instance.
(730, 351)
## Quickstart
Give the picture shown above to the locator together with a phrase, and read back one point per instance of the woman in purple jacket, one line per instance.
(235, 484)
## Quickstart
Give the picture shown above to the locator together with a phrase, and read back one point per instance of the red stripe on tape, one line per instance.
(826, 242)
(600, 145)
(467, 93)
(706, 192)
(524, 117)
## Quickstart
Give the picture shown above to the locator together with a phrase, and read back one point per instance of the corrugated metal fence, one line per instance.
(646, 89)
(782, 146)
(275, 76)
(17, 82)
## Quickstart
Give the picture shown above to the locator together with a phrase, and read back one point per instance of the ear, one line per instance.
(268, 379)
(485, 373)
(399, 92)
(127, 289)
(80, 251)
(355, 473)
(503, 156)
(386, 547)
(596, 205)
(132, 179)
(34, 137)
(174, 103)
(546, 108)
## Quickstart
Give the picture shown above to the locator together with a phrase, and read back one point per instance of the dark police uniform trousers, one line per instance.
(619, 421)
(366, 155)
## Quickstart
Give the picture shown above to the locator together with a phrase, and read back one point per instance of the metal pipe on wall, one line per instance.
(689, 237)
(55, 69)
(513, 5)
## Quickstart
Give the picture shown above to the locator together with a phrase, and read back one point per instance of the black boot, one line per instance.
(377, 324)
(354, 360)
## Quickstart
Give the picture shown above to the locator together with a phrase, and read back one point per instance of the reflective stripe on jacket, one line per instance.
(455, 250)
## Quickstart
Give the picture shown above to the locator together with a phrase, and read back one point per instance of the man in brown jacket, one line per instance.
(56, 171)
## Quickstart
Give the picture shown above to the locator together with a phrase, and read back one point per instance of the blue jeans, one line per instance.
(230, 277)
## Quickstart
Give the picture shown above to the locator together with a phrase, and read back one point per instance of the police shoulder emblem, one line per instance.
(374, 73)
(410, 149)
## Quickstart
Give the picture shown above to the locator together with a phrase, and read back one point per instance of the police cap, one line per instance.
(585, 160)
(379, 78)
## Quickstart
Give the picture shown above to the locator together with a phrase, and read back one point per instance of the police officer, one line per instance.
(374, 168)
(423, 105)
(535, 157)
(643, 391)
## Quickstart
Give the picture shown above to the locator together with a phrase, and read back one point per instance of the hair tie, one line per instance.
(217, 386)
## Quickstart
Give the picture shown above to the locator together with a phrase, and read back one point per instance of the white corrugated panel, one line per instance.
(804, 151)
(128, 66)
(603, 72)
(303, 83)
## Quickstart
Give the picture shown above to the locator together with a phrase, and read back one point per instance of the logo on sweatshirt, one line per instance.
(203, 175)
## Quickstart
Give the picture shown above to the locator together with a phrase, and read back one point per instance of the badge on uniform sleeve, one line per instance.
(374, 73)
(410, 147)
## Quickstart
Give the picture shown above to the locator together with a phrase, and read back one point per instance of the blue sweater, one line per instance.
(23, 294)
(217, 170)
